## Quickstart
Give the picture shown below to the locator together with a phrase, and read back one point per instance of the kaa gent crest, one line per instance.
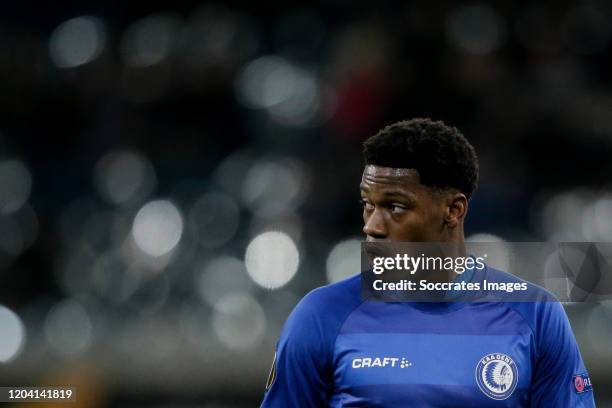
(496, 375)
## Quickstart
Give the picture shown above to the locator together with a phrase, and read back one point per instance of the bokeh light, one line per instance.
(344, 260)
(150, 40)
(272, 259)
(217, 34)
(498, 252)
(289, 93)
(476, 29)
(221, 276)
(68, 328)
(124, 177)
(239, 321)
(77, 41)
(274, 187)
(597, 219)
(157, 228)
(560, 216)
(15, 185)
(290, 223)
(265, 82)
(13, 335)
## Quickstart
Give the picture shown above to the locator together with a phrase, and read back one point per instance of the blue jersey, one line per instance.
(338, 350)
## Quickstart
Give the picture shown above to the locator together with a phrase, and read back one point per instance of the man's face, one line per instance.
(397, 207)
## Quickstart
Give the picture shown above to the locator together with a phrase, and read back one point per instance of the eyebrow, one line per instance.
(392, 193)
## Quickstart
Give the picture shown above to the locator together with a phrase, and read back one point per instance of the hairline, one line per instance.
(406, 171)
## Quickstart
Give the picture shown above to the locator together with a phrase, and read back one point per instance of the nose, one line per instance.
(375, 227)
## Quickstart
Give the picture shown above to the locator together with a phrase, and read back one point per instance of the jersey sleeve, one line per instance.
(560, 378)
(301, 372)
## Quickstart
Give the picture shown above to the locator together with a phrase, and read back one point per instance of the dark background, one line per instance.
(144, 146)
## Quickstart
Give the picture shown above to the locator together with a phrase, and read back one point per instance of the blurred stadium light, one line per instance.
(476, 28)
(272, 259)
(77, 41)
(157, 228)
(13, 335)
(344, 260)
(124, 177)
(150, 40)
(15, 185)
(68, 328)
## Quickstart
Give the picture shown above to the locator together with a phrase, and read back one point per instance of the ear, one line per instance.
(456, 209)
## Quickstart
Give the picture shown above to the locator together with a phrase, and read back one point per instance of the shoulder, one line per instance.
(316, 320)
(540, 309)
(331, 302)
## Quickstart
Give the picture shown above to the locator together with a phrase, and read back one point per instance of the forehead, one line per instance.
(391, 176)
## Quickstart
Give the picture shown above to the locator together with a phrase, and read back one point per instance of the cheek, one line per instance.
(416, 226)
(409, 227)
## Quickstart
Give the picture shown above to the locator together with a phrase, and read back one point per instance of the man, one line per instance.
(338, 349)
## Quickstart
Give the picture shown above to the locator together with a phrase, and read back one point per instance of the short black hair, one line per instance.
(441, 155)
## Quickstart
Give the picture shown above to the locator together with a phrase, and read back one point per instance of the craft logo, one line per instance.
(368, 362)
(496, 375)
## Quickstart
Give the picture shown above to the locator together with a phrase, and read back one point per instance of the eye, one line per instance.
(397, 208)
(367, 206)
